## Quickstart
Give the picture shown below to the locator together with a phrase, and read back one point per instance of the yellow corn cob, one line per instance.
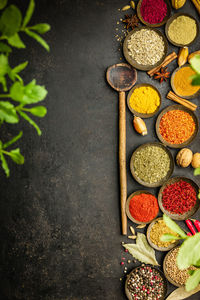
(182, 56)
(197, 5)
(193, 54)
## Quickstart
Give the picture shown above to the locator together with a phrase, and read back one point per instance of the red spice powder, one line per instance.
(176, 126)
(153, 11)
(143, 207)
(179, 197)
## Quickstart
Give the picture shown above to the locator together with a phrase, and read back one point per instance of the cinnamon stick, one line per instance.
(166, 61)
(181, 101)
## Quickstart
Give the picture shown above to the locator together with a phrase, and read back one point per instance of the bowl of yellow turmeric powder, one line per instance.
(144, 100)
(182, 84)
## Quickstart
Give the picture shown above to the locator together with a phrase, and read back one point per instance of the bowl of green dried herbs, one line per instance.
(152, 164)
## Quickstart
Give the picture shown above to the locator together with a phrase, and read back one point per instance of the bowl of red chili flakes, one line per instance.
(178, 198)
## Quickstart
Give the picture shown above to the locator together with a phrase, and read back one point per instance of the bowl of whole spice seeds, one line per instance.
(173, 274)
(182, 29)
(177, 126)
(178, 198)
(151, 164)
(145, 48)
(146, 283)
(154, 232)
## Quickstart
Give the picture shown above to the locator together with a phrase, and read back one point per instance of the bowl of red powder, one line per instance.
(142, 207)
(178, 198)
(176, 126)
(154, 13)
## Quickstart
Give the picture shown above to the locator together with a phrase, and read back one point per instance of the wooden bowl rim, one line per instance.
(132, 62)
(152, 244)
(177, 107)
(139, 192)
(170, 172)
(141, 115)
(174, 88)
(186, 215)
(128, 294)
(171, 19)
(166, 18)
(165, 271)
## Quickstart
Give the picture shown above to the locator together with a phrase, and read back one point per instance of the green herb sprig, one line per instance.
(17, 99)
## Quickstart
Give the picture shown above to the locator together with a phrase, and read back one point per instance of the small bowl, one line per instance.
(171, 20)
(157, 24)
(171, 246)
(174, 88)
(177, 107)
(159, 183)
(129, 295)
(165, 270)
(127, 207)
(141, 115)
(187, 214)
(132, 62)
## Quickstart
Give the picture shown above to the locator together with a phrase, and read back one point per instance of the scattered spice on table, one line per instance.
(146, 283)
(179, 197)
(182, 30)
(158, 229)
(131, 21)
(162, 74)
(153, 11)
(144, 99)
(143, 207)
(177, 275)
(151, 163)
(176, 126)
(146, 47)
(183, 83)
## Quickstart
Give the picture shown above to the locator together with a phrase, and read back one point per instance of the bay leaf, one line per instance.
(142, 251)
(181, 293)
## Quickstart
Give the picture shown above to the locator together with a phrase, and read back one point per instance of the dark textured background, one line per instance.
(59, 213)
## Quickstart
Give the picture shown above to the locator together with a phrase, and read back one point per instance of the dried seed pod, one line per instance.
(132, 230)
(132, 4)
(139, 126)
(184, 157)
(193, 54)
(141, 226)
(132, 237)
(126, 7)
(182, 56)
(178, 3)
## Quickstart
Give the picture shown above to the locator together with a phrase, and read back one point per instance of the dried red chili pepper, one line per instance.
(179, 197)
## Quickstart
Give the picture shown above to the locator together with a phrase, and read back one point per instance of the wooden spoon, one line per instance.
(121, 78)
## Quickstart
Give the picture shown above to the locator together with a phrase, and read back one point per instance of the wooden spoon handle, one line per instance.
(122, 160)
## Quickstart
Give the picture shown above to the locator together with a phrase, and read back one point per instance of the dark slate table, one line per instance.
(59, 213)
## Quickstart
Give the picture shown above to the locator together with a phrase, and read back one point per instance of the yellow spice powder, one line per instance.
(182, 82)
(144, 100)
(182, 30)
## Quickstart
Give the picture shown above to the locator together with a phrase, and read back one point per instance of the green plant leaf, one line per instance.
(39, 111)
(196, 80)
(4, 83)
(20, 67)
(3, 65)
(14, 140)
(5, 48)
(169, 237)
(195, 63)
(41, 28)
(181, 293)
(190, 272)
(193, 281)
(27, 118)
(16, 41)
(38, 38)
(16, 156)
(4, 165)
(29, 13)
(3, 3)
(197, 171)
(173, 226)
(8, 112)
(17, 91)
(10, 20)
(142, 251)
(189, 253)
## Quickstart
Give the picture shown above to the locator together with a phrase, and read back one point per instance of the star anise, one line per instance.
(131, 21)
(162, 74)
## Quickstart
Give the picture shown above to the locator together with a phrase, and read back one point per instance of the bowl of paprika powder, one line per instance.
(142, 207)
(178, 198)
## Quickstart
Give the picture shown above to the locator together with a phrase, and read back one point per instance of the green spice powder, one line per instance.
(151, 164)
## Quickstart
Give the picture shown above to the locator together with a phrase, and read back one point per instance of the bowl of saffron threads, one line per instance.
(178, 198)
(154, 13)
